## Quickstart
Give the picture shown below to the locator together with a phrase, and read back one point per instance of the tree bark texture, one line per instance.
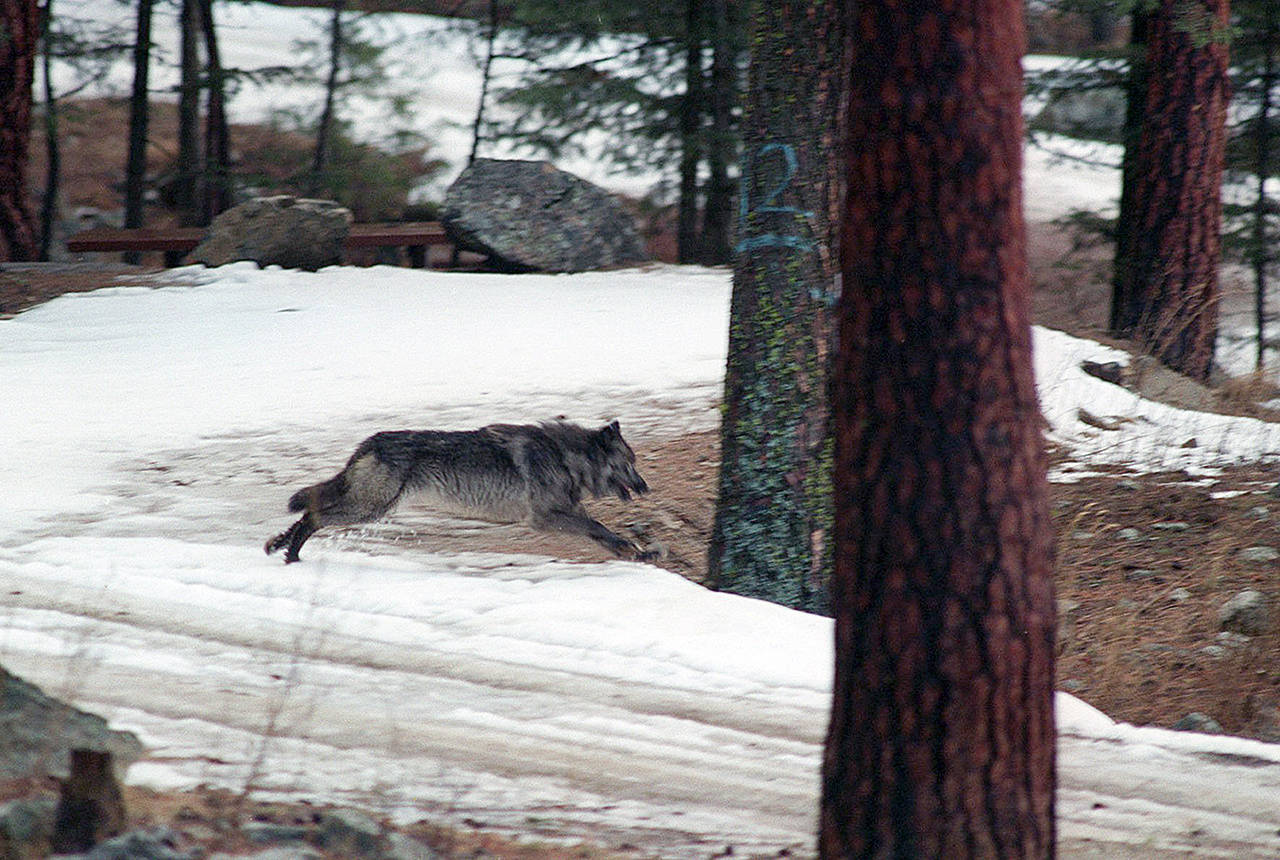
(1166, 293)
(771, 537)
(941, 741)
(19, 32)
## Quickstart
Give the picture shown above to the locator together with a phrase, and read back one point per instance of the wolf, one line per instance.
(536, 474)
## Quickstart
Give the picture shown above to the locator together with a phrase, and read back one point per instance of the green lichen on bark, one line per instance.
(773, 516)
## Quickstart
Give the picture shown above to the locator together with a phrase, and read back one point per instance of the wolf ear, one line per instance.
(613, 428)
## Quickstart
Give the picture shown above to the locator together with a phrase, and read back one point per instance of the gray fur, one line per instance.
(531, 473)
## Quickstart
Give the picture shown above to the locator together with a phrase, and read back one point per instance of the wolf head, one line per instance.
(614, 465)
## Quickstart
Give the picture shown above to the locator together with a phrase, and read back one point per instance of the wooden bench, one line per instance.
(176, 242)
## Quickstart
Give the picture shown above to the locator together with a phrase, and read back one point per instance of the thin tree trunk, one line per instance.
(690, 136)
(52, 151)
(217, 148)
(135, 174)
(941, 741)
(772, 532)
(185, 195)
(1122, 284)
(320, 159)
(485, 72)
(19, 21)
(717, 212)
(1172, 304)
(1262, 169)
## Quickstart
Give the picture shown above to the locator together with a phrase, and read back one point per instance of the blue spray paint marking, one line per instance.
(770, 202)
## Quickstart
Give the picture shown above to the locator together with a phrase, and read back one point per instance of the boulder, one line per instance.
(1246, 613)
(1094, 113)
(277, 231)
(530, 216)
(38, 732)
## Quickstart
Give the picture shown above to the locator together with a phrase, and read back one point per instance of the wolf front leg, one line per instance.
(293, 537)
(577, 522)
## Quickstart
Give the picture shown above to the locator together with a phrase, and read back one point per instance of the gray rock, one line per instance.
(158, 844)
(1128, 485)
(529, 216)
(282, 852)
(1246, 613)
(1171, 526)
(350, 834)
(26, 825)
(1258, 512)
(1140, 574)
(38, 732)
(1096, 113)
(281, 231)
(265, 832)
(1178, 595)
(401, 847)
(1258, 554)
(1217, 652)
(1232, 640)
(1129, 534)
(1198, 722)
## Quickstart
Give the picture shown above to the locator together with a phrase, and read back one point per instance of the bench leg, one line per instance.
(417, 256)
(173, 259)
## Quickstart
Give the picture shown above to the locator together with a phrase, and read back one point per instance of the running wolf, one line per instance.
(507, 473)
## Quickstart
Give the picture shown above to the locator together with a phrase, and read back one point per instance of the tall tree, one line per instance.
(52, 152)
(771, 537)
(324, 128)
(1166, 287)
(721, 147)
(216, 187)
(19, 33)
(691, 116)
(941, 741)
(135, 173)
(187, 168)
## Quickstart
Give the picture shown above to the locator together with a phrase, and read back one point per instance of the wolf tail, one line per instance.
(319, 496)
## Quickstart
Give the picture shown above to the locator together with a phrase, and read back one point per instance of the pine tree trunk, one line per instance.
(717, 213)
(1171, 303)
(320, 158)
(185, 195)
(771, 537)
(19, 24)
(941, 741)
(135, 172)
(690, 137)
(52, 151)
(217, 141)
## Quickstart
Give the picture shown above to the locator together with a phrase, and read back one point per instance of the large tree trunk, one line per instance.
(717, 213)
(19, 26)
(1169, 300)
(690, 136)
(771, 537)
(135, 172)
(941, 742)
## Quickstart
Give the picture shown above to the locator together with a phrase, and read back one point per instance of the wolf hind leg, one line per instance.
(293, 538)
(577, 522)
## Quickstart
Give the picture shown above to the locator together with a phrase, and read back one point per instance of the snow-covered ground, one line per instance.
(154, 434)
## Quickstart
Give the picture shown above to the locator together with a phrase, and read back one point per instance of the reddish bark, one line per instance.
(1166, 286)
(19, 32)
(941, 742)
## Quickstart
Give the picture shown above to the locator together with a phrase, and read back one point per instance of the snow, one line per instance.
(154, 434)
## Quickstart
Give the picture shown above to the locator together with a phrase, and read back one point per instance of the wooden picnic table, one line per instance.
(177, 242)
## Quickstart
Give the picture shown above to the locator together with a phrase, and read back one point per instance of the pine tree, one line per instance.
(772, 532)
(19, 32)
(941, 741)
